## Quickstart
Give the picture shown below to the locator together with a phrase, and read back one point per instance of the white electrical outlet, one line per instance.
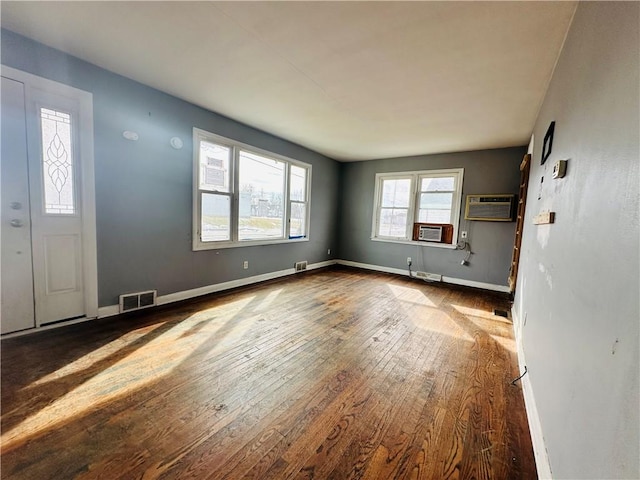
(245, 264)
(409, 261)
(463, 235)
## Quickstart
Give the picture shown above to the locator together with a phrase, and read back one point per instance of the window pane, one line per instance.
(261, 205)
(57, 162)
(393, 222)
(437, 184)
(396, 192)
(214, 167)
(434, 216)
(216, 217)
(436, 200)
(298, 227)
(298, 187)
(435, 207)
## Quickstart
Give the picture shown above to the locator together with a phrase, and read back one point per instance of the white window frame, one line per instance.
(414, 204)
(234, 169)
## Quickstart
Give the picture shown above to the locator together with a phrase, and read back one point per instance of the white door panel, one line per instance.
(17, 311)
(63, 295)
(56, 207)
(61, 264)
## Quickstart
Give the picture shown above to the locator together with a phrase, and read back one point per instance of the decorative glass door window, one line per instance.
(57, 162)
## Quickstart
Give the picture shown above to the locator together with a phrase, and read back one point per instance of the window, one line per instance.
(394, 207)
(57, 162)
(246, 196)
(401, 199)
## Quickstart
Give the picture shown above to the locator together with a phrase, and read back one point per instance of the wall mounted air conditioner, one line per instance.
(490, 208)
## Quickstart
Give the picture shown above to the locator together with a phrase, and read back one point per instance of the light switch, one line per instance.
(544, 218)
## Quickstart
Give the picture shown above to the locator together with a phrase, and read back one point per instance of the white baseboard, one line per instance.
(108, 311)
(535, 427)
(452, 280)
(377, 268)
(49, 326)
(111, 310)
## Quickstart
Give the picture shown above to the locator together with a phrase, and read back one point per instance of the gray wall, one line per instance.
(486, 171)
(579, 278)
(144, 188)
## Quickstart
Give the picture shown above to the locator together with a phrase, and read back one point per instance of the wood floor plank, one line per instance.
(332, 374)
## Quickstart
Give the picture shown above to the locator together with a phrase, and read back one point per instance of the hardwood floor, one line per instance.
(338, 374)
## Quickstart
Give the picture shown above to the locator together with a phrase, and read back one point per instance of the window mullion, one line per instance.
(413, 207)
(235, 200)
(199, 207)
(287, 201)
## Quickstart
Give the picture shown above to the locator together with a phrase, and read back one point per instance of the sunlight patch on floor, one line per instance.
(139, 368)
(438, 321)
(476, 312)
(425, 314)
(268, 300)
(86, 361)
(499, 328)
(507, 343)
(410, 295)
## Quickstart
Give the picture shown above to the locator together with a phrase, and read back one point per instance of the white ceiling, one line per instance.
(351, 80)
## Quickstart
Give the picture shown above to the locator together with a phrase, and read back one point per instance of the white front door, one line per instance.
(17, 308)
(56, 207)
(61, 210)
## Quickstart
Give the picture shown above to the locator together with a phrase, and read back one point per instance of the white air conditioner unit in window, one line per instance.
(433, 232)
(490, 208)
(430, 233)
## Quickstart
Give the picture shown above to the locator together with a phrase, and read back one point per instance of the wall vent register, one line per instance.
(138, 300)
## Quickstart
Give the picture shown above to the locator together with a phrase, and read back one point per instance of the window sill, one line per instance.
(244, 243)
(415, 242)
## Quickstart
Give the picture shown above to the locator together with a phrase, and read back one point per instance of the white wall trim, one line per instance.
(535, 427)
(473, 283)
(377, 268)
(108, 311)
(111, 310)
(49, 326)
(452, 280)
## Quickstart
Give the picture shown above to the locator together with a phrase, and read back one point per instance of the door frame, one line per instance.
(84, 101)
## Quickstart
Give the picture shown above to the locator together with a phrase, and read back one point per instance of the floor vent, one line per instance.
(301, 266)
(136, 301)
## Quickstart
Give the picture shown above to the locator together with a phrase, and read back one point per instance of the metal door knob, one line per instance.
(16, 223)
